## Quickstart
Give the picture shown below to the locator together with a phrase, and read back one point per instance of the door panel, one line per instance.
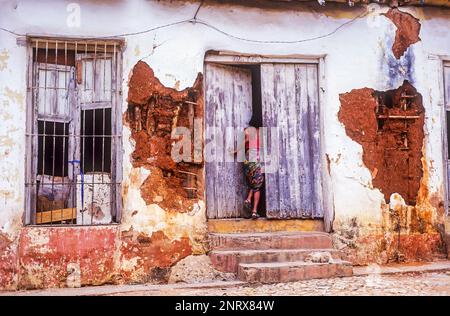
(290, 104)
(228, 109)
(447, 128)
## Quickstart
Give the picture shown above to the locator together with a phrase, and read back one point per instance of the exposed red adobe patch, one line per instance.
(389, 126)
(153, 112)
(156, 253)
(408, 30)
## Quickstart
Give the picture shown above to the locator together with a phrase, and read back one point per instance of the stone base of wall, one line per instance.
(8, 263)
(45, 257)
(388, 247)
(66, 256)
(52, 257)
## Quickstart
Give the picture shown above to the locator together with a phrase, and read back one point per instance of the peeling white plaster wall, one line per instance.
(353, 58)
(12, 134)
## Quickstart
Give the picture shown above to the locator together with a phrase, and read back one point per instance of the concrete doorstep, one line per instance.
(417, 267)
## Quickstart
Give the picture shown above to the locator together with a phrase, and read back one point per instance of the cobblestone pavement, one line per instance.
(405, 284)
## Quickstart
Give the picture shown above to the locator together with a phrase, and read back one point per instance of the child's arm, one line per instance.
(241, 145)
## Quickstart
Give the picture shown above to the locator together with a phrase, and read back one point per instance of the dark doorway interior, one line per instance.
(257, 121)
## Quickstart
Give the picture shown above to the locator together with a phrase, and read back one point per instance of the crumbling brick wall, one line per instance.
(407, 33)
(153, 112)
(149, 248)
(389, 126)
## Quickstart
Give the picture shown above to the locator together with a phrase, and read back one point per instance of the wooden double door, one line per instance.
(291, 139)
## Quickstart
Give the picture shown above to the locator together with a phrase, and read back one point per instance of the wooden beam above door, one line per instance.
(229, 57)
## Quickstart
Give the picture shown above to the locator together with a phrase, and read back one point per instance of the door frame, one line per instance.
(235, 58)
(443, 61)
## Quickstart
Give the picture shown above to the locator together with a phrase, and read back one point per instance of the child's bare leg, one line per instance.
(249, 195)
(257, 195)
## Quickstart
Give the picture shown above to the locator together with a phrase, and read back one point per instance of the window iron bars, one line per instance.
(69, 183)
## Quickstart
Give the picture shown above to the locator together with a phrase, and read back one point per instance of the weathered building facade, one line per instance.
(92, 95)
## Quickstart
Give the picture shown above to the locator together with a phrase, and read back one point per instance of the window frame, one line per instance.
(239, 58)
(29, 218)
(445, 64)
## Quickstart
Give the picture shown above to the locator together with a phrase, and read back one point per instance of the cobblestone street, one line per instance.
(409, 284)
(426, 279)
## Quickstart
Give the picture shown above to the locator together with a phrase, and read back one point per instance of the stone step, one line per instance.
(262, 225)
(228, 260)
(275, 272)
(271, 240)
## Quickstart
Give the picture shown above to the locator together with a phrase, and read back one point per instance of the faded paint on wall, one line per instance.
(4, 56)
(12, 143)
(150, 239)
(175, 55)
(58, 251)
(394, 153)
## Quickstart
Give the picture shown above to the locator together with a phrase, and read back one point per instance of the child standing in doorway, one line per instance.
(252, 168)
